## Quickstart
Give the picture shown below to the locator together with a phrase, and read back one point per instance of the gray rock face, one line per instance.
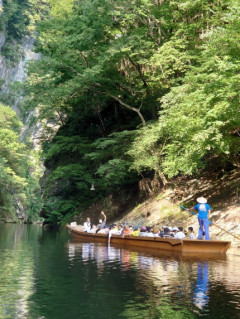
(2, 38)
(10, 73)
(17, 72)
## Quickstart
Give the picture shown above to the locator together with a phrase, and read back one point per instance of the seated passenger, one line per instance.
(119, 230)
(126, 230)
(171, 230)
(87, 225)
(167, 233)
(162, 231)
(149, 232)
(174, 231)
(142, 232)
(104, 230)
(156, 232)
(136, 231)
(102, 223)
(180, 234)
(191, 234)
(101, 231)
(113, 229)
(93, 229)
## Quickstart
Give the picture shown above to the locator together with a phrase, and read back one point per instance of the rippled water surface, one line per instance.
(44, 274)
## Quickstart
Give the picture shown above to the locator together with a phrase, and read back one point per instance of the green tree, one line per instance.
(18, 20)
(198, 122)
(17, 182)
(127, 89)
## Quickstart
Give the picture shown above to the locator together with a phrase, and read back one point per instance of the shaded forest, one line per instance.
(128, 91)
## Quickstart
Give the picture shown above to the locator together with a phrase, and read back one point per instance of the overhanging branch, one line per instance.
(132, 108)
(127, 106)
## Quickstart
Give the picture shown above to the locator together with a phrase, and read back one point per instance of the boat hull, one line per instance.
(185, 246)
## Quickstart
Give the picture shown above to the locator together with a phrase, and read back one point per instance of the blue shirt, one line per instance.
(202, 210)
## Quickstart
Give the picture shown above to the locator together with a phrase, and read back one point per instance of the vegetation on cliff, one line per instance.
(18, 191)
(138, 89)
(125, 91)
(18, 20)
(20, 170)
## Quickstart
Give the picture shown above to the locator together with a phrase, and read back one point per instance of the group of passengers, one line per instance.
(143, 231)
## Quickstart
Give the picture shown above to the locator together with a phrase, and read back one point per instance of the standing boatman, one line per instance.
(203, 210)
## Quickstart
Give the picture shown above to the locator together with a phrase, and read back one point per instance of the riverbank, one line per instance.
(163, 207)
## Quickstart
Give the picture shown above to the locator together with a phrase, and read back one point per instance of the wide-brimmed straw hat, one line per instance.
(201, 200)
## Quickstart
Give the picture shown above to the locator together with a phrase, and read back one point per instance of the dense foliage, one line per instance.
(18, 191)
(133, 89)
(18, 20)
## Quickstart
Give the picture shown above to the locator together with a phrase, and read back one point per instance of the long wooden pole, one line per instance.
(210, 222)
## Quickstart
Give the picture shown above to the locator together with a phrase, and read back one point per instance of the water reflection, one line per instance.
(200, 295)
(44, 275)
(17, 270)
(184, 281)
(105, 254)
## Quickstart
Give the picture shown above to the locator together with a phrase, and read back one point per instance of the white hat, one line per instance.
(175, 228)
(201, 200)
(170, 228)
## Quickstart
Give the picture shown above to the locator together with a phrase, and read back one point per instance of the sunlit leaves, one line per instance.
(200, 118)
(175, 61)
(18, 177)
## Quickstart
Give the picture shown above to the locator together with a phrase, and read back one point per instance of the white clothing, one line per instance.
(87, 226)
(142, 234)
(191, 236)
(102, 231)
(149, 235)
(180, 235)
(114, 231)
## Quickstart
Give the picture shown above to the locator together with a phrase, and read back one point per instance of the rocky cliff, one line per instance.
(13, 72)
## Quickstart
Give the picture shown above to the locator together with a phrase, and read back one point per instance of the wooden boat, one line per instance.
(182, 246)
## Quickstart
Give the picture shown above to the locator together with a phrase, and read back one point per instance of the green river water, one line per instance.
(44, 274)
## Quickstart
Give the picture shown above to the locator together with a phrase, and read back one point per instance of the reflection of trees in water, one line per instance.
(147, 277)
(11, 234)
(224, 303)
(158, 282)
(17, 243)
(42, 276)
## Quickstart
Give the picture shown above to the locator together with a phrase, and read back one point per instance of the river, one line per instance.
(46, 275)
